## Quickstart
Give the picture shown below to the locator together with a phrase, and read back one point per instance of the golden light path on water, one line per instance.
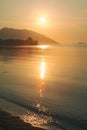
(37, 119)
(42, 71)
(43, 46)
(42, 76)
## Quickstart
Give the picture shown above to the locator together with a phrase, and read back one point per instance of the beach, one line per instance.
(9, 122)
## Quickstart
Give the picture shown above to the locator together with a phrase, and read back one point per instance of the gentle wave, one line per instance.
(52, 120)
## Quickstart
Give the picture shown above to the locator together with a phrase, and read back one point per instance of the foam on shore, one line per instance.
(7, 121)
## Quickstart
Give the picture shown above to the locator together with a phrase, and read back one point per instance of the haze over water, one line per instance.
(46, 87)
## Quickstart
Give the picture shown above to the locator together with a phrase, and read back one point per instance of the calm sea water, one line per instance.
(45, 87)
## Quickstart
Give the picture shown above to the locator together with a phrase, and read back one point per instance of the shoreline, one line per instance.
(10, 122)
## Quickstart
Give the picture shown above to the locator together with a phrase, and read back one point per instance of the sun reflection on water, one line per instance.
(42, 78)
(42, 70)
(36, 119)
(43, 46)
(39, 115)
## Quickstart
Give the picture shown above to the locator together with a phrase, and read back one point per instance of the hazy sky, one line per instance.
(66, 20)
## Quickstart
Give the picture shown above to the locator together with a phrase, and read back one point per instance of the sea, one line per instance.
(45, 86)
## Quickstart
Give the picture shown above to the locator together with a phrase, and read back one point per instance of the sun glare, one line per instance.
(43, 46)
(42, 20)
(42, 73)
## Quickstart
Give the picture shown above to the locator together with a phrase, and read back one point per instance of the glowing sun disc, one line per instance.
(42, 20)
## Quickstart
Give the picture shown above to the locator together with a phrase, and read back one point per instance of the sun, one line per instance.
(42, 20)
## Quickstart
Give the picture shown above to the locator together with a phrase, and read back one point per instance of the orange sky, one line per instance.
(66, 20)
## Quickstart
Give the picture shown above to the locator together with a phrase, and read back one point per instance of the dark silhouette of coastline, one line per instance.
(18, 42)
(11, 33)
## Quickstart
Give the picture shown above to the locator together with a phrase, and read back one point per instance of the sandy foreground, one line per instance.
(9, 122)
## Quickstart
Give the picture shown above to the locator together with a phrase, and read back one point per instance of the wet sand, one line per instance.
(9, 122)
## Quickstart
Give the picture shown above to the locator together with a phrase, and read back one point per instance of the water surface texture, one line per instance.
(45, 87)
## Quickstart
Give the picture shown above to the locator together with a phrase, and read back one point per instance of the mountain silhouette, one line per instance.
(80, 44)
(10, 33)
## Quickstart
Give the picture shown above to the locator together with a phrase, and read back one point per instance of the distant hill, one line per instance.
(10, 33)
(80, 44)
